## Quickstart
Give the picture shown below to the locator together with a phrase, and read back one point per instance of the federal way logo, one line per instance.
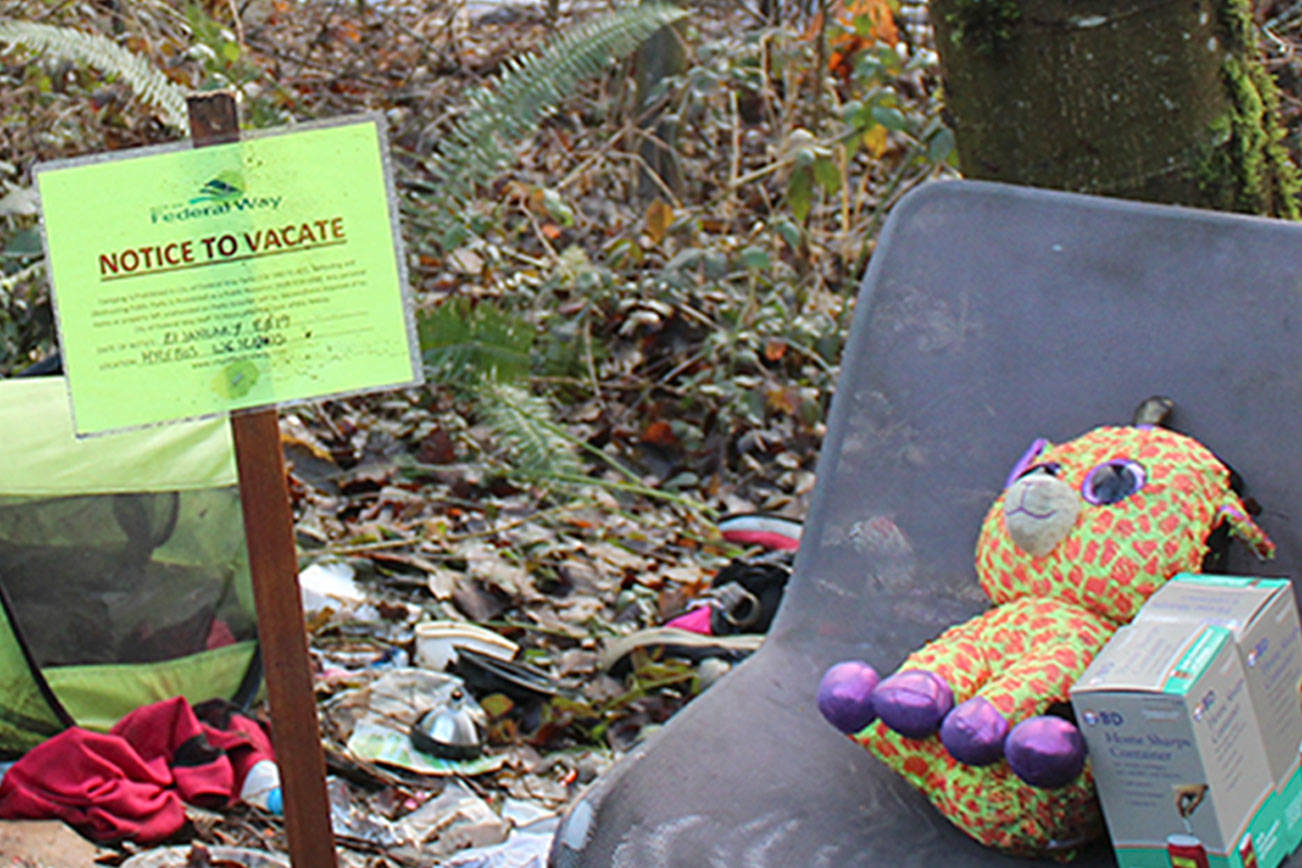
(223, 188)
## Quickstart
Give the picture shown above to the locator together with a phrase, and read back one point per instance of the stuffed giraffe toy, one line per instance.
(1082, 534)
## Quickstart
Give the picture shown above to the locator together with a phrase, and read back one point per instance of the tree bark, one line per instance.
(1141, 99)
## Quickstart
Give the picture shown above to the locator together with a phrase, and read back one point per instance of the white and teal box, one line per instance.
(1262, 614)
(1176, 751)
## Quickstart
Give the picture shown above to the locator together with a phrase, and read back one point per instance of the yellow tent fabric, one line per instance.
(43, 457)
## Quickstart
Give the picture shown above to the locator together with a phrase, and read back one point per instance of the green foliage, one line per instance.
(498, 117)
(1247, 168)
(652, 678)
(105, 55)
(523, 424)
(875, 114)
(464, 343)
(484, 353)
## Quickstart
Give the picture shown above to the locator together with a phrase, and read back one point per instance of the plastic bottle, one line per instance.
(261, 787)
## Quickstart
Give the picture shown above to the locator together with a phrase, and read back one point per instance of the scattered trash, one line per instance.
(526, 847)
(352, 822)
(261, 787)
(330, 592)
(455, 731)
(47, 843)
(710, 670)
(380, 716)
(683, 644)
(743, 597)
(455, 820)
(762, 529)
(201, 856)
(437, 643)
(485, 675)
(381, 744)
(697, 620)
(132, 783)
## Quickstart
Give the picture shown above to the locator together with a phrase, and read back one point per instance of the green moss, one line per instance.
(984, 26)
(1246, 167)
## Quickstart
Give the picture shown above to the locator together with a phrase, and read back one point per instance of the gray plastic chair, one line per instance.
(990, 315)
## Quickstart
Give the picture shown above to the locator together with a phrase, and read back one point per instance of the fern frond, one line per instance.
(499, 116)
(463, 343)
(523, 423)
(105, 55)
(483, 352)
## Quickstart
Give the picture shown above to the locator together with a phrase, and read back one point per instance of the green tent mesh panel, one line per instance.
(123, 567)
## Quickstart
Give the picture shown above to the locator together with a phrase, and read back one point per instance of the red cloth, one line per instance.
(131, 782)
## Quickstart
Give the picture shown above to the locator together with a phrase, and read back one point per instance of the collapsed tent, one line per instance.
(124, 576)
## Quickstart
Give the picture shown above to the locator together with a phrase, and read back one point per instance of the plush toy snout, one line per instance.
(1039, 510)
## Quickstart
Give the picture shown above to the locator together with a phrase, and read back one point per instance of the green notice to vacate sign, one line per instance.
(192, 281)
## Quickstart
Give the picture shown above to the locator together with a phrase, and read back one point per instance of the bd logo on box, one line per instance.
(1106, 718)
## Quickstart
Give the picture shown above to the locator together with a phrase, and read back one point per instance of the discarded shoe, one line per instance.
(743, 597)
(485, 674)
(774, 532)
(437, 643)
(682, 644)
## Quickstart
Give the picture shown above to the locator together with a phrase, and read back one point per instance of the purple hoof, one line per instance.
(1046, 751)
(913, 702)
(845, 695)
(974, 732)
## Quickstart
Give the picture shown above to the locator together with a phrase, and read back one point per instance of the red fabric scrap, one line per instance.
(131, 783)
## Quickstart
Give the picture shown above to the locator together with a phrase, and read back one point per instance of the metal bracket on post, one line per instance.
(273, 563)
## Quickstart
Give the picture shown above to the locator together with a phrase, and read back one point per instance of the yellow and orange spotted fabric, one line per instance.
(1052, 615)
(1118, 555)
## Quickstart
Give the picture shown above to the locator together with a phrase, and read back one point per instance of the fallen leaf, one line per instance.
(479, 604)
(443, 583)
(875, 140)
(497, 704)
(466, 261)
(660, 433)
(658, 217)
(436, 448)
(783, 400)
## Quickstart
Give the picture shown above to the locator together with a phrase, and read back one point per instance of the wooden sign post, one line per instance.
(273, 563)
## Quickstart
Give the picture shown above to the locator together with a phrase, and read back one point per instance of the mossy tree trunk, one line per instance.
(1161, 101)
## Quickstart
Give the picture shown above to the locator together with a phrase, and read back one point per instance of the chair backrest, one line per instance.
(990, 315)
(993, 315)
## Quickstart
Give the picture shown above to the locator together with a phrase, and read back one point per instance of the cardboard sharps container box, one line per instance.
(1262, 615)
(1176, 752)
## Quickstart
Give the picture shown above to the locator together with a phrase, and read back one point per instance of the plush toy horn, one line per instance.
(1153, 411)
(1156, 411)
(1235, 514)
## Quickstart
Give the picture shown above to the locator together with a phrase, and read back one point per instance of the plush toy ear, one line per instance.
(1233, 513)
(1028, 458)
